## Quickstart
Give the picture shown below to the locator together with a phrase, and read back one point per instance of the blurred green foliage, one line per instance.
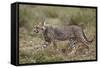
(31, 15)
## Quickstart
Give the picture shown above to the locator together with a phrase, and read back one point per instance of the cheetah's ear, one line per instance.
(43, 23)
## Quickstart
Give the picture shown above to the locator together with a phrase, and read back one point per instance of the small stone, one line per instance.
(44, 46)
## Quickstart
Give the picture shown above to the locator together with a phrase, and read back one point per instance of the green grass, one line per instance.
(29, 16)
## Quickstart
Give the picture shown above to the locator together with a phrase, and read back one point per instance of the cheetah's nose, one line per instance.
(35, 31)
